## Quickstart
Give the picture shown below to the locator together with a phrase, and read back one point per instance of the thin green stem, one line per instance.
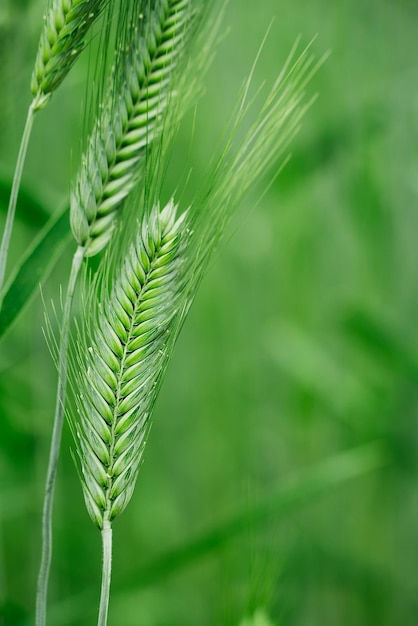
(42, 591)
(4, 249)
(106, 572)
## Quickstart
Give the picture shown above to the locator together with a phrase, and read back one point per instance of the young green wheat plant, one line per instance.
(66, 24)
(131, 116)
(134, 310)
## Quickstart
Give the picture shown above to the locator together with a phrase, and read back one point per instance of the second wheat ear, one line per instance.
(131, 117)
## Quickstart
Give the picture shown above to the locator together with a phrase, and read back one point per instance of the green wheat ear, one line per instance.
(121, 356)
(63, 38)
(130, 119)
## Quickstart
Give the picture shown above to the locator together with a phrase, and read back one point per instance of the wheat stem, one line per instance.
(42, 591)
(13, 197)
(106, 573)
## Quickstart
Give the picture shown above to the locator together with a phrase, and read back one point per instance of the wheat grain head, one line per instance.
(121, 358)
(129, 120)
(62, 39)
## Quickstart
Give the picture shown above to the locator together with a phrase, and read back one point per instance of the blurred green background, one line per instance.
(302, 344)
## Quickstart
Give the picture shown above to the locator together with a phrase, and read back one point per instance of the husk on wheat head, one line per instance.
(62, 39)
(121, 357)
(129, 120)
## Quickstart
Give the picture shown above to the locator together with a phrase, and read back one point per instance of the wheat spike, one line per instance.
(129, 120)
(63, 38)
(121, 358)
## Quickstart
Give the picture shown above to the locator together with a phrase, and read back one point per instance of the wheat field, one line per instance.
(278, 484)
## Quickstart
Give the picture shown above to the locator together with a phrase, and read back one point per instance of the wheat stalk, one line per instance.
(130, 118)
(121, 358)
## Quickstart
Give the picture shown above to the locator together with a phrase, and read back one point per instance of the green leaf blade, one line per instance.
(35, 266)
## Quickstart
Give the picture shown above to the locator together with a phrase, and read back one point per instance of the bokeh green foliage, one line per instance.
(302, 344)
